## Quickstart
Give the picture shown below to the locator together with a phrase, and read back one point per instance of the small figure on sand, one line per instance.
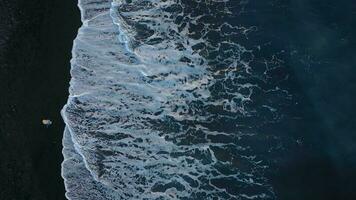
(46, 122)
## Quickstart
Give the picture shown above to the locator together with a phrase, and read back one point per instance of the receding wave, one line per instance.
(166, 103)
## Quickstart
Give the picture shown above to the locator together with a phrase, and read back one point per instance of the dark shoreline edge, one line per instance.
(34, 81)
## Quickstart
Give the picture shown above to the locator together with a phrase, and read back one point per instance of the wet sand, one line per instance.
(34, 80)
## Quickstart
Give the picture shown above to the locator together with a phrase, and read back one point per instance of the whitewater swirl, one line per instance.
(165, 103)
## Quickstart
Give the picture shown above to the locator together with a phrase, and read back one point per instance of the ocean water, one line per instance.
(185, 99)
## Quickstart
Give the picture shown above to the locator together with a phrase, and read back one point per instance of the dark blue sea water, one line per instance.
(212, 99)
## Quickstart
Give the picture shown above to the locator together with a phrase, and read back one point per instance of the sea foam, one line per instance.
(161, 104)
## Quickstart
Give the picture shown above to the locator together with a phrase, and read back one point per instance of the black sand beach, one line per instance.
(314, 160)
(36, 41)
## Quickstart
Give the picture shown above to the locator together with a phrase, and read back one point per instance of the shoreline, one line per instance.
(313, 160)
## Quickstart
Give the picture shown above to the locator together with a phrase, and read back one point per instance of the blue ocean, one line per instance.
(210, 99)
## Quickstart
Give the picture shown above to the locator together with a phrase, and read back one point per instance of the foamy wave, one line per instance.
(156, 104)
